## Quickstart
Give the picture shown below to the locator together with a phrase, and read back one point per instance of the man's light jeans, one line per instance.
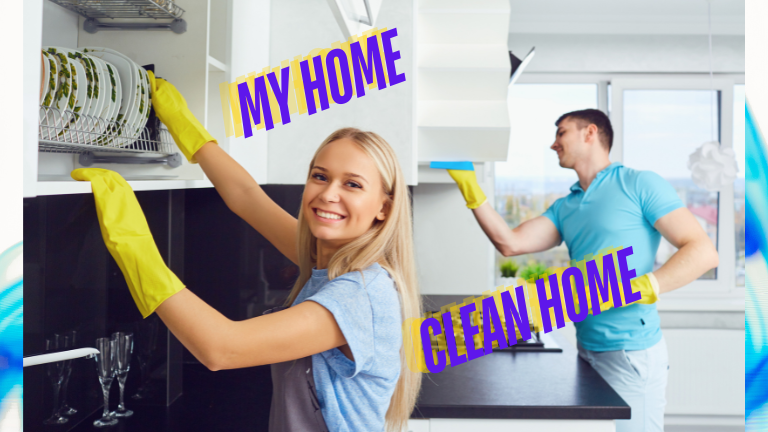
(640, 378)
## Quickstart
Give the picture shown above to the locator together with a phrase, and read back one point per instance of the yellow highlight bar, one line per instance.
(230, 104)
(412, 328)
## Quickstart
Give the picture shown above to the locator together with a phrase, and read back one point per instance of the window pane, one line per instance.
(738, 185)
(661, 129)
(531, 179)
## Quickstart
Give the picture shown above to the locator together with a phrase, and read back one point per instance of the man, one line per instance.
(611, 206)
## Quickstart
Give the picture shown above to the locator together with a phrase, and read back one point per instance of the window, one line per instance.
(531, 179)
(661, 129)
(738, 186)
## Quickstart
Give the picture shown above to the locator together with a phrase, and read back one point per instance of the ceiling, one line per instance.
(626, 17)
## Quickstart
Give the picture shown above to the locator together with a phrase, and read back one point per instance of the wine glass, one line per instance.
(70, 339)
(105, 366)
(124, 345)
(55, 371)
(146, 339)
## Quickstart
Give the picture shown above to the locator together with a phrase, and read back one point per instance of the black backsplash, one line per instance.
(72, 283)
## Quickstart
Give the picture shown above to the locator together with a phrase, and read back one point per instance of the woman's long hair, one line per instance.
(388, 242)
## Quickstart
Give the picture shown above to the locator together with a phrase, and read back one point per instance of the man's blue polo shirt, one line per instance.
(619, 208)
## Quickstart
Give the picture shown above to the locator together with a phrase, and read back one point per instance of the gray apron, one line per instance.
(295, 406)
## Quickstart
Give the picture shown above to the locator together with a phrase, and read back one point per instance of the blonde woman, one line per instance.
(336, 347)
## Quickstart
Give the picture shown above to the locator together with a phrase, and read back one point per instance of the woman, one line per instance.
(336, 351)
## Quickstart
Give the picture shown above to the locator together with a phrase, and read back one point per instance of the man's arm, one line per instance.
(696, 254)
(535, 235)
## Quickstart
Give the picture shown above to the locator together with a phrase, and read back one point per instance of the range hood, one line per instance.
(519, 65)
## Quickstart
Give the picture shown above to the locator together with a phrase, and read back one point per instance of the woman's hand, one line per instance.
(236, 186)
(171, 108)
(128, 239)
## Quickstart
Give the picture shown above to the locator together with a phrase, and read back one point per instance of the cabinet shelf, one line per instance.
(215, 65)
(68, 132)
(157, 9)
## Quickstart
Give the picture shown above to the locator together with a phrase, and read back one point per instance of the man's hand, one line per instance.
(469, 188)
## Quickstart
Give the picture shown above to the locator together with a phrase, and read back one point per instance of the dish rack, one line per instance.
(130, 9)
(63, 131)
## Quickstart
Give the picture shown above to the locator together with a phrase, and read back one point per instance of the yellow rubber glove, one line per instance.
(171, 108)
(646, 284)
(648, 287)
(469, 188)
(127, 237)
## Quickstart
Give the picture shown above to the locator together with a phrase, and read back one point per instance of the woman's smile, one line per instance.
(344, 194)
(327, 216)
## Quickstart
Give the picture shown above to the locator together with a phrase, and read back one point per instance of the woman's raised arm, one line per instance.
(239, 190)
(248, 200)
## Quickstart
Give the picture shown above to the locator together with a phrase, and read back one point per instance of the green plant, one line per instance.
(509, 268)
(534, 271)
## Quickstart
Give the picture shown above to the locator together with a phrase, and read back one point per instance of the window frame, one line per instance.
(720, 294)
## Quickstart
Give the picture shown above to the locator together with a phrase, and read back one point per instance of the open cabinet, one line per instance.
(195, 60)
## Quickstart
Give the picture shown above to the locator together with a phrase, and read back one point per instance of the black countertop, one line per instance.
(523, 385)
(502, 385)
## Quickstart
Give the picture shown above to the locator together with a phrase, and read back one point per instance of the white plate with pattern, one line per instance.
(128, 83)
(63, 87)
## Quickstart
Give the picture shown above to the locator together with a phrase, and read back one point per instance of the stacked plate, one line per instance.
(107, 87)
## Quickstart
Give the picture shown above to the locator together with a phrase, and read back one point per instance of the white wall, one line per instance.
(564, 53)
(387, 112)
(453, 255)
(59, 26)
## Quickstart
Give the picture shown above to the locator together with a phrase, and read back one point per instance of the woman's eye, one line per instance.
(318, 176)
(353, 184)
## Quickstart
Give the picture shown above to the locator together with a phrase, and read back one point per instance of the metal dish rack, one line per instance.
(94, 10)
(68, 132)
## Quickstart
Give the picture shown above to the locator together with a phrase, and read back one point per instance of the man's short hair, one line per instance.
(595, 117)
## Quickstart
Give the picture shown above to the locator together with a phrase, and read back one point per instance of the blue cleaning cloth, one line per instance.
(462, 165)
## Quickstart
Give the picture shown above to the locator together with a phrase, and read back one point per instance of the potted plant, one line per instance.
(508, 270)
(534, 271)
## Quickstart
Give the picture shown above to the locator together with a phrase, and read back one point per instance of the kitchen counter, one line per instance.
(502, 385)
(522, 385)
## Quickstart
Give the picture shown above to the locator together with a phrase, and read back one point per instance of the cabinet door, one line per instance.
(494, 425)
(418, 425)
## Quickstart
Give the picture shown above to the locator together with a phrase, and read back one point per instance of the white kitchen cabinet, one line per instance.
(463, 69)
(195, 61)
(509, 425)
(418, 425)
(389, 112)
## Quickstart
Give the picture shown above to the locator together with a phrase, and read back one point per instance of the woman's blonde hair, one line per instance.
(388, 242)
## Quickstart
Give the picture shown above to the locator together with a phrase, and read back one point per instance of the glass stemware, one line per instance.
(105, 366)
(146, 339)
(55, 371)
(70, 340)
(124, 345)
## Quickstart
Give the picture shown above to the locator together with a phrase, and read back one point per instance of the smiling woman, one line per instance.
(342, 203)
(357, 283)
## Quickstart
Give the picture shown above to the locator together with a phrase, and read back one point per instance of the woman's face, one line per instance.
(343, 195)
